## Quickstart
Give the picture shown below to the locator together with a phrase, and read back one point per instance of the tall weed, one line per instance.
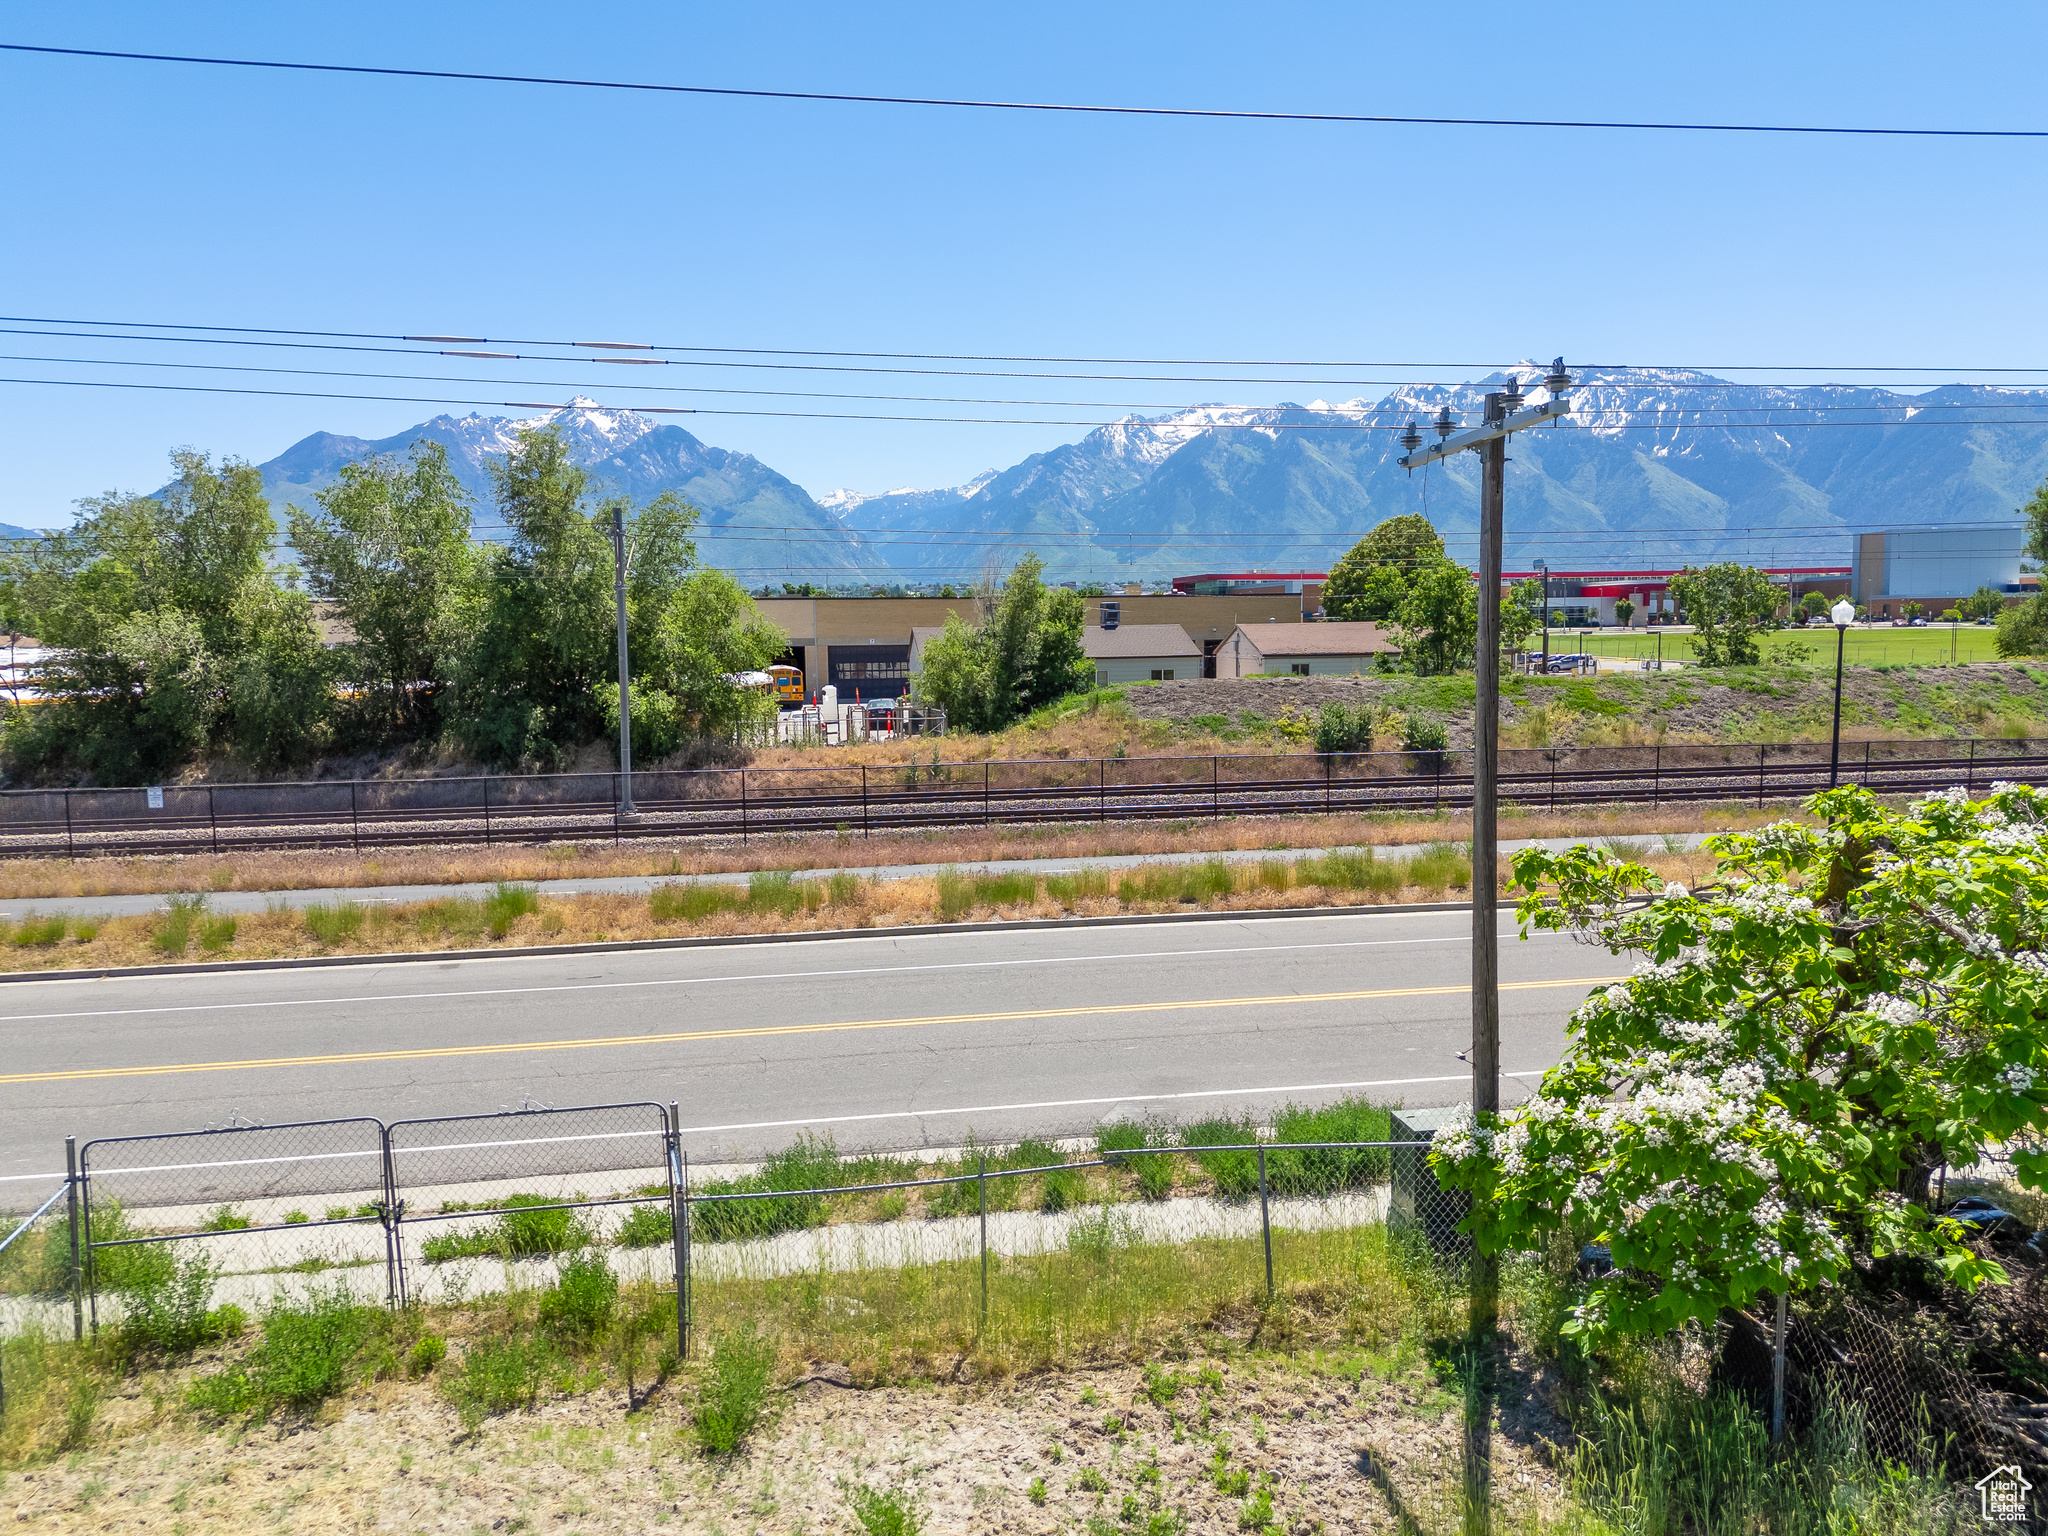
(735, 1390)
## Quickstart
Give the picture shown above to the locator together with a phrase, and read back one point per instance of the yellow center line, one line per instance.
(764, 1031)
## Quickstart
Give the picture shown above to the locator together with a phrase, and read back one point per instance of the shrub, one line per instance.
(645, 1226)
(1081, 885)
(330, 924)
(217, 933)
(498, 1375)
(690, 903)
(734, 1392)
(40, 932)
(1424, 732)
(308, 1353)
(1236, 1173)
(426, 1353)
(886, 1512)
(165, 1307)
(956, 894)
(506, 904)
(581, 1304)
(843, 889)
(521, 1232)
(1327, 1170)
(811, 1162)
(173, 929)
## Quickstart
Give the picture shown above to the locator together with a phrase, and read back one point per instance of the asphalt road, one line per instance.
(883, 1042)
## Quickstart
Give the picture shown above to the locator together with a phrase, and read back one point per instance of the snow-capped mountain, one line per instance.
(1652, 466)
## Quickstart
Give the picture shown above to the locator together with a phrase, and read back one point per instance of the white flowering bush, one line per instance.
(1803, 1043)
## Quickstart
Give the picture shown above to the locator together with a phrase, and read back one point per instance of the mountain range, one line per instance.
(1652, 467)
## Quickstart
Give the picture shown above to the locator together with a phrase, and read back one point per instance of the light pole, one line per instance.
(1543, 575)
(626, 811)
(1843, 613)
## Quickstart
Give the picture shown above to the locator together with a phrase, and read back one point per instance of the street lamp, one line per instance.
(1844, 614)
(1543, 566)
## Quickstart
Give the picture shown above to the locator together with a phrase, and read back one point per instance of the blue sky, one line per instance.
(154, 192)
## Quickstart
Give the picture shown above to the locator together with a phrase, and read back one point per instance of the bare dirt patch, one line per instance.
(1347, 1439)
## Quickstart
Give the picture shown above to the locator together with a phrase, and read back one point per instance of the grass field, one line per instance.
(1877, 646)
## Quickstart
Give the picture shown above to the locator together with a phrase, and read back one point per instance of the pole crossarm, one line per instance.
(1472, 437)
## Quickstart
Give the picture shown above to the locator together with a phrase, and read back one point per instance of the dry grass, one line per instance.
(51, 879)
(773, 904)
(1179, 1389)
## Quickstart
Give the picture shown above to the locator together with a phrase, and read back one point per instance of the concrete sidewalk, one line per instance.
(640, 885)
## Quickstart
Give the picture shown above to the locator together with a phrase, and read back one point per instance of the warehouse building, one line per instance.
(1304, 650)
(1141, 653)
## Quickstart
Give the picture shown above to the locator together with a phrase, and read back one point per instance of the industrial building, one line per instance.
(1937, 567)
(862, 645)
(1140, 653)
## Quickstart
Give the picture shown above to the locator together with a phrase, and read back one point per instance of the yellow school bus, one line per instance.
(787, 686)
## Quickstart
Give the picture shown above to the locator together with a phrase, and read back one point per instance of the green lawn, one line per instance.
(1881, 645)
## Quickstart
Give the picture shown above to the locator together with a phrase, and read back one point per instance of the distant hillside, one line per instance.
(625, 451)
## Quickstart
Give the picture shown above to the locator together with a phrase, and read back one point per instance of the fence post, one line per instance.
(69, 852)
(487, 810)
(1101, 789)
(1778, 1374)
(864, 803)
(1972, 781)
(355, 826)
(394, 1209)
(1866, 765)
(685, 1311)
(1760, 778)
(678, 1229)
(212, 823)
(1265, 1222)
(1329, 760)
(77, 1266)
(983, 1181)
(1215, 791)
(1657, 778)
(743, 805)
(984, 792)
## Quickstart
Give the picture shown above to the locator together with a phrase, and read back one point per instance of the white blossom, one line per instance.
(2018, 1077)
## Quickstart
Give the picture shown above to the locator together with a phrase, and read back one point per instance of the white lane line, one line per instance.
(700, 981)
(1125, 1098)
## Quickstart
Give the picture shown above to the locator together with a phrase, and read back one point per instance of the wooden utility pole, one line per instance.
(1489, 438)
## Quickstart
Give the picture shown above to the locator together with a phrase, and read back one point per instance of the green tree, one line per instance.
(1984, 603)
(1521, 613)
(1727, 605)
(1371, 580)
(1437, 626)
(1845, 1008)
(1025, 652)
(1624, 612)
(1813, 606)
(388, 545)
(2023, 629)
(1914, 609)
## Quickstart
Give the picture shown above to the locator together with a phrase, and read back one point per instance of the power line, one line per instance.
(230, 331)
(1903, 403)
(1921, 419)
(1090, 109)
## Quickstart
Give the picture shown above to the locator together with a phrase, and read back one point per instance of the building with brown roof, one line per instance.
(1141, 653)
(1303, 650)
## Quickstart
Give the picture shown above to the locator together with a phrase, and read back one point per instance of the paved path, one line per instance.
(900, 1040)
(640, 885)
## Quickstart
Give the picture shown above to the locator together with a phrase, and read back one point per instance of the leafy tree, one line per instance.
(1372, 579)
(1951, 615)
(1984, 603)
(166, 623)
(1624, 611)
(1727, 605)
(1813, 606)
(2023, 629)
(1521, 613)
(1914, 609)
(1438, 622)
(1025, 652)
(2036, 513)
(1848, 1007)
(388, 545)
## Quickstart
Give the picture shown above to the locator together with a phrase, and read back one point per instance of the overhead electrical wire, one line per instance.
(232, 334)
(1904, 404)
(979, 104)
(1921, 418)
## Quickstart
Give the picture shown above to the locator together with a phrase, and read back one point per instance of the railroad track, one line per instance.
(744, 802)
